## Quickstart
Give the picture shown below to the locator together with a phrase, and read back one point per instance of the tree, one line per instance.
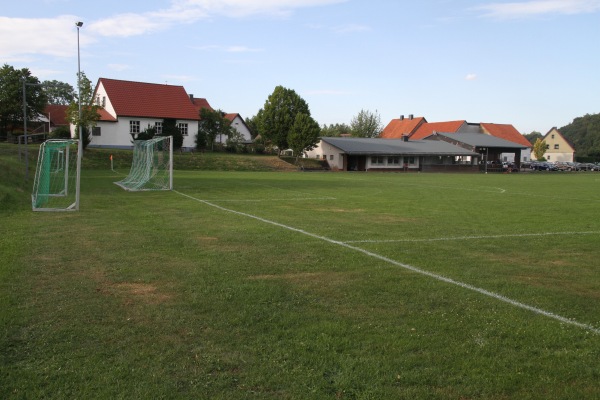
(539, 149)
(59, 92)
(279, 114)
(366, 124)
(584, 134)
(11, 96)
(212, 124)
(89, 110)
(335, 130)
(304, 134)
(170, 128)
(533, 136)
(252, 124)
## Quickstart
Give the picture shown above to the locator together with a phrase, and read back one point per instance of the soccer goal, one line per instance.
(152, 165)
(56, 174)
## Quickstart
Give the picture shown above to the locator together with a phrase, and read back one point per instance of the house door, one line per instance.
(357, 163)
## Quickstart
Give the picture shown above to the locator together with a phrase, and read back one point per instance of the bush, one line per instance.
(62, 132)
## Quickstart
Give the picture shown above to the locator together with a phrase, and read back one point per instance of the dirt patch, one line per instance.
(143, 292)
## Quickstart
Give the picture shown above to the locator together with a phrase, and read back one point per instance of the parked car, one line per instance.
(589, 167)
(543, 166)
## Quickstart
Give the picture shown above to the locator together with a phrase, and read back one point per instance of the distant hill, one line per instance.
(584, 134)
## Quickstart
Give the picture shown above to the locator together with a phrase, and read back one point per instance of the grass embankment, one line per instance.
(195, 161)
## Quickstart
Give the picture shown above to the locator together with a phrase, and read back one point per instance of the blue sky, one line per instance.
(531, 63)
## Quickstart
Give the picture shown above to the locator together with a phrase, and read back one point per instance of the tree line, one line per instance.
(583, 133)
(284, 122)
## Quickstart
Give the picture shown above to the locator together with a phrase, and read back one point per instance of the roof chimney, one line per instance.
(192, 98)
(410, 116)
(401, 117)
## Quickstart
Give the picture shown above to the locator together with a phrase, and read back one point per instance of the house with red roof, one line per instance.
(128, 108)
(238, 123)
(56, 115)
(397, 128)
(419, 128)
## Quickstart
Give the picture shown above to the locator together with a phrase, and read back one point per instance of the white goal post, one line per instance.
(152, 165)
(56, 174)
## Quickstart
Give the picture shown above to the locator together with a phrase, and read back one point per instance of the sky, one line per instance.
(534, 64)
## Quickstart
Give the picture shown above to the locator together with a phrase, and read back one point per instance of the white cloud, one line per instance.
(471, 77)
(20, 38)
(189, 11)
(47, 36)
(525, 9)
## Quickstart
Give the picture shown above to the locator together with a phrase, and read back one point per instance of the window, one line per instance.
(183, 128)
(134, 126)
(393, 160)
(410, 160)
(96, 131)
(556, 147)
(324, 156)
(331, 157)
(158, 126)
(318, 156)
(377, 160)
(553, 136)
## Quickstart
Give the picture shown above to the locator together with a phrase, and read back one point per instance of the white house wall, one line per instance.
(116, 134)
(239, 125)
(325, 151)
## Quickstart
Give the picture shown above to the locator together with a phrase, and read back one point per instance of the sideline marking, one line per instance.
(406, 266)
(265, 201)
(474, 237)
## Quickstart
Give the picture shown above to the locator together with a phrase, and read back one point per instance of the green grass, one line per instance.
(156, 295)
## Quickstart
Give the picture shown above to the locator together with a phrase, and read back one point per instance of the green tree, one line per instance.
(252, 124)
(533, 136)
(170, 128)
(539, 149)
(335, 130)
(304, 135)
(366, 124)
(212, 124)
(89, 110)
(584, 134)
(59, 92)
(11, 97)
(278, 115)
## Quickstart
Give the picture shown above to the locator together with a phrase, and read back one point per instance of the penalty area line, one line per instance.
(417, 270)
(474, 237)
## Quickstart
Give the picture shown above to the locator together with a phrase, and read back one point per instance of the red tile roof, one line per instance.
(231, 116)
(150, 100)
(401, 127)
(201, 103)
(506, 132)
(428, 128)
(105, 116)
(57, 114)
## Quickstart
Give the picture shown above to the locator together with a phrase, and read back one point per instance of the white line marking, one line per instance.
(406, 266)
(269, 200)
(473, 237)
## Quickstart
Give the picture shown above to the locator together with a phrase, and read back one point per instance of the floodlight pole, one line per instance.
(80, 144)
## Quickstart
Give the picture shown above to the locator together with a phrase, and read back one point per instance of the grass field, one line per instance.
(266, 285)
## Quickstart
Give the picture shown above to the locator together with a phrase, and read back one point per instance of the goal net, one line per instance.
(152, 165)
(55, 182)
